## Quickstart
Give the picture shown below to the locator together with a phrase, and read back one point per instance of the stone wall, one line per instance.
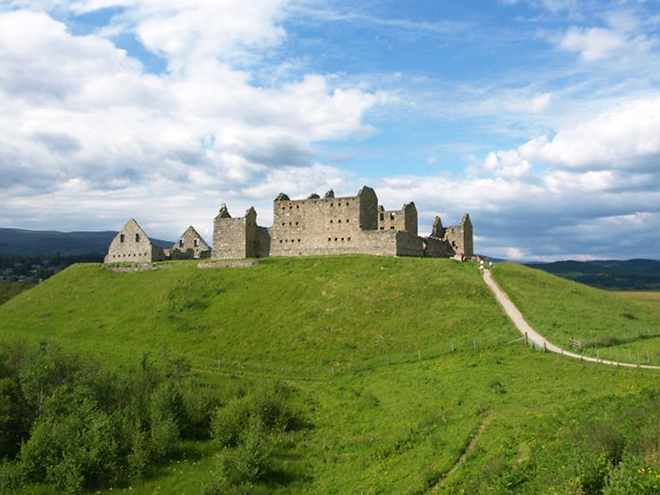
(404, 219)
(408, 244)
(460, 238)
(190, 245)
(131, 244)
(437, 248)
(316, 225)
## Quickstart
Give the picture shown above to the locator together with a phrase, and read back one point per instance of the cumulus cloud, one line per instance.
(625, 138)
(79, 108)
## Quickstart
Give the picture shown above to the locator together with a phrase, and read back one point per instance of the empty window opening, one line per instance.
(196, 242)
(330, 221)
(382, 216)
(284, 207)
(180, 242)
(335, 238)
(290, 207)
(342, 239)
(329, 239)
(392, 227)
(290, 223)
(280, 241)
(391, 216)
(347, 220)
(297, 206)
(348, 239)
(332, 204)
(382, 228)
(298, 240)
(296, 223)
(137, 237)
(121, 237)
(339, 221)
(346, 203)
(283, 223)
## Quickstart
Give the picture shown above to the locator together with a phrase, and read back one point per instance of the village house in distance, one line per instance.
(305, 227)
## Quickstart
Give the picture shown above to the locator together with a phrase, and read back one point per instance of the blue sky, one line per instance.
(541, 118)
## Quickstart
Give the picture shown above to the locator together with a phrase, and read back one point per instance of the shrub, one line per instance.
(71, 449)
(267, 405)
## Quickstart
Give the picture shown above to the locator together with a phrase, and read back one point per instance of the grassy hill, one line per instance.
(620, 326)
(366, 343)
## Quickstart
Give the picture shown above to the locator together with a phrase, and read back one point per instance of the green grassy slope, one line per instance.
(305, 313)
(621, 327)
(347, 331)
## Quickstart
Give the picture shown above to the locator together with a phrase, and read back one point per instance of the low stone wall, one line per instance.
(137, 267)
(228, 264)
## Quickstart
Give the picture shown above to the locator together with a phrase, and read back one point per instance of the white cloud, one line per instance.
(626, 137)
(78, 107)
(598, 43)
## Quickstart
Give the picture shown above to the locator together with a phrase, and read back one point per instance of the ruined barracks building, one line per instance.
(303, 227)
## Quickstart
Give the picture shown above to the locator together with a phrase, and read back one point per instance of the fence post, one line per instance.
(526, 339)
(453, 347)
(474, 345)
(419, 355)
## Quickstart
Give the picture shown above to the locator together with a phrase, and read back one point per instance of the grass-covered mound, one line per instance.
(374, 414)
(622, 328)
(298, 313)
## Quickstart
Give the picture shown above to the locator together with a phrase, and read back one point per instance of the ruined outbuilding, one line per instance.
(190, 246)
(131, 244)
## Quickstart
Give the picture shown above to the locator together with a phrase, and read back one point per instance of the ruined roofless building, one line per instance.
(332, 225)
(190, 245)
(131, 244)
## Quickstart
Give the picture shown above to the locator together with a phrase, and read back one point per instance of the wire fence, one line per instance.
(326, 369)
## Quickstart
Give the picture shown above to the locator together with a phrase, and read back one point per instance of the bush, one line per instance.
(248, 463)
(72, 449)
(266, 405)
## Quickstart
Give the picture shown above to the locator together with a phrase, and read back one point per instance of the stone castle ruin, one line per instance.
(305, 227)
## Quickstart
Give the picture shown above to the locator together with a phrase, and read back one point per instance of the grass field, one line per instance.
(366, 343)
(652, 298)
(619, 325)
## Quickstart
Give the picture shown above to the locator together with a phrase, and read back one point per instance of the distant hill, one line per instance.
(636, 274)
(21, 242)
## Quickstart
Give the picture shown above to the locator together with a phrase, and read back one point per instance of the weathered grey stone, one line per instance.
(331, 225)
(312, 226)
(191, 245)
(132, 244)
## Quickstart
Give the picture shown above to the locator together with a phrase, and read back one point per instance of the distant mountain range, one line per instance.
(21, 242)
(636, 274)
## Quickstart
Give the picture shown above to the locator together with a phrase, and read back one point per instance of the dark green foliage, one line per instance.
(71, 445)
(74, 426)
(9, 290)
(266, 405)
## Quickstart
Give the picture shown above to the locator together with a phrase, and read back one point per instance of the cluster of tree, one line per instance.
(38, 268)
(73, 424)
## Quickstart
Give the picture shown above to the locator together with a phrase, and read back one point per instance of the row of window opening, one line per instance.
(339, 221)
(122, 238)
(342, 239)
